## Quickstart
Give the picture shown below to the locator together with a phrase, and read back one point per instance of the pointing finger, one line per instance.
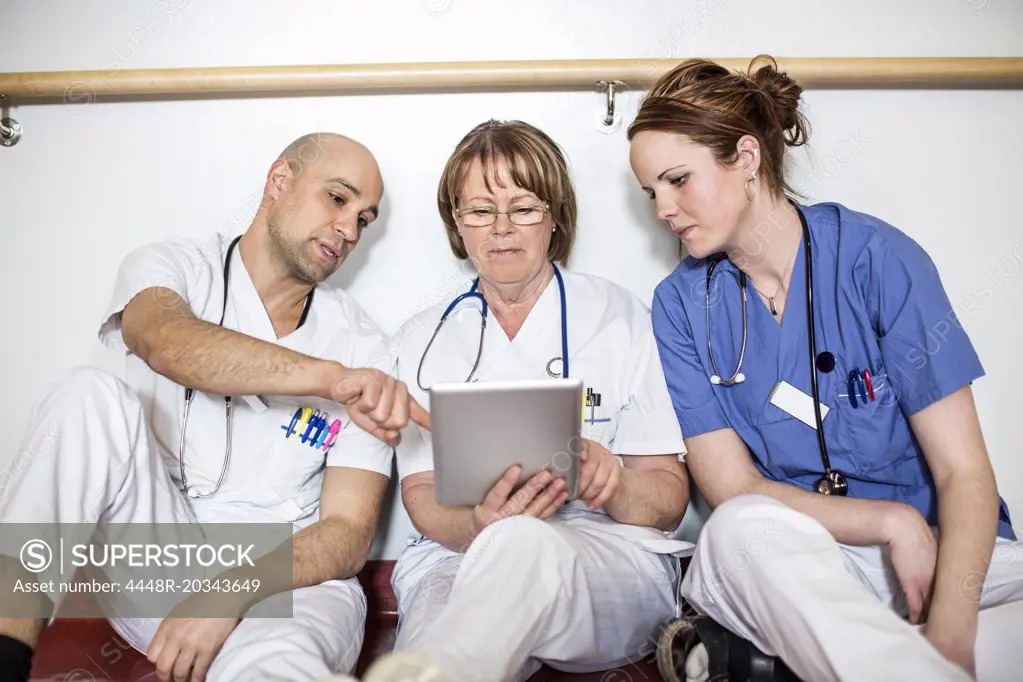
(418, 414)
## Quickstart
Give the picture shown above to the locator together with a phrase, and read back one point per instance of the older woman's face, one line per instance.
(504, 252)
(699, 200)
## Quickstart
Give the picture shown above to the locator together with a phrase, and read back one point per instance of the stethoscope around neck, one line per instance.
(832, 482)
(228, 404)
(474, 292)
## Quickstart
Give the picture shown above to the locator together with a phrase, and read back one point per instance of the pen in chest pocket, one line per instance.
(312, 428)
(593, 400)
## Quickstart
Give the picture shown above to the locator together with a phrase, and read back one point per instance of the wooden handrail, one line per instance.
(849, 73)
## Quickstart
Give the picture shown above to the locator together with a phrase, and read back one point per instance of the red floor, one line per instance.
(80, 650)
(88, 650)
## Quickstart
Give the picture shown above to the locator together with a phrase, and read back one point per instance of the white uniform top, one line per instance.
(611, 348)
(271, 477)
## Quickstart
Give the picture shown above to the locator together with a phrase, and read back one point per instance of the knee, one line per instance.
(743, 524)
(524, 544)
(88, 388)
(515, 534)
(88, 382)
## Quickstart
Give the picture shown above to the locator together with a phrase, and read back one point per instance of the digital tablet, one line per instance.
(479, 429)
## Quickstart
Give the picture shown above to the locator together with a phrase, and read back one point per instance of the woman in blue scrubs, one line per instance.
(912, 573)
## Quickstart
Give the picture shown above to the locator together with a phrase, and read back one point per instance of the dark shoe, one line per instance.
(731, 658)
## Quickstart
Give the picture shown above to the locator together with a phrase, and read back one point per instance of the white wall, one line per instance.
(89, 182)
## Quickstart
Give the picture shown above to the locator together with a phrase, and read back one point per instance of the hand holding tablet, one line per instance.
(491, 437)
(541, 496)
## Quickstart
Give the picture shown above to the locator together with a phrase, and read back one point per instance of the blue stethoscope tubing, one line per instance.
(474, 292)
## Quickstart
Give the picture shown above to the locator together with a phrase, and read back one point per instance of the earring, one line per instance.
(747, 186)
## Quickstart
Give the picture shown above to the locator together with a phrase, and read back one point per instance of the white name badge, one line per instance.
(791, 400)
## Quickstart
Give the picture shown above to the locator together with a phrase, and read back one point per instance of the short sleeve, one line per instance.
(170, 265)
(926, 352)
(414, 454)
(647, 424)
(355, 447)
(692, 396)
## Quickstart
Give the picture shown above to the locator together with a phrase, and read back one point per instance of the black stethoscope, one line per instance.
(832, 482)
(228, 405)
(474, 292)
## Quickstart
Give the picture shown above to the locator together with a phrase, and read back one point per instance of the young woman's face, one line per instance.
(700, 200)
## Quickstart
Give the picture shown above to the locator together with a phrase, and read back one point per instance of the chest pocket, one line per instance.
(600, 410)
(299, 433)
(868, 436)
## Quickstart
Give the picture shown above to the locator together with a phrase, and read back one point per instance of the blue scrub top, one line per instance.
(879, 304)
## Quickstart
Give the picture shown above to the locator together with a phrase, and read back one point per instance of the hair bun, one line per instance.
(783, 95)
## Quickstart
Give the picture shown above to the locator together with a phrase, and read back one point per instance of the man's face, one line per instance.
(320, 202)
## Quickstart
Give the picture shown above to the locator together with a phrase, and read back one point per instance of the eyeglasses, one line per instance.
(485, 216)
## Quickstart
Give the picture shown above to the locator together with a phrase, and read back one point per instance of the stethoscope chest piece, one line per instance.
(833, 483)
(555, 367)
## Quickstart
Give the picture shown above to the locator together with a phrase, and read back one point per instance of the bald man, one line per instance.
(304, 442)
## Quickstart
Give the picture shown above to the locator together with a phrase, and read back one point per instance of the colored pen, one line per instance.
(334, 428)
(306, 413)
(290, 428)
(321, 428)
(310, 426)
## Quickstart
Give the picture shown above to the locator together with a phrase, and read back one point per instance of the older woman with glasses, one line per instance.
(492, 591)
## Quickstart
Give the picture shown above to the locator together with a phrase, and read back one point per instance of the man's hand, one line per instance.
(541, 496)
(183, 648)
(377, 402)
(914, 554)
(599, 474)
(956, 642)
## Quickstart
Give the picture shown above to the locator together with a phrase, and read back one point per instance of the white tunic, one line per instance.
(597, 590)
(611, 349)
(271, 476)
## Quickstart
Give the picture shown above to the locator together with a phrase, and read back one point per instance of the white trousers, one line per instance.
(564, 591)
(776, 577)
(100, 465)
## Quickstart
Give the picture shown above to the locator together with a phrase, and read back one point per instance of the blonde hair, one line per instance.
(536, 164)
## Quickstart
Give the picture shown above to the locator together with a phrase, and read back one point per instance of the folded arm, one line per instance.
(653, 491)
(456, 527)
(334, 548)
(949, 434)
(722, 469)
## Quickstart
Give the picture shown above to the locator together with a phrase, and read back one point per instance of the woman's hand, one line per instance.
(914, 554)
(541, 496)
(599, 474)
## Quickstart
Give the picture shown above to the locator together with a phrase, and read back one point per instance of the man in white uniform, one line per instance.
(316, 413)
(491, 592)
